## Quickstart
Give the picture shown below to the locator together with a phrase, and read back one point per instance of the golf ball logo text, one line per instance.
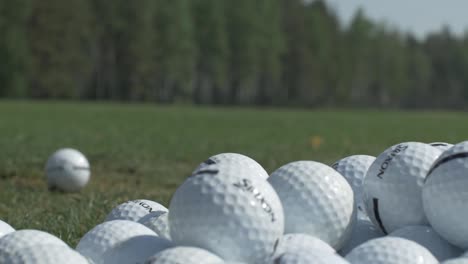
(246, 185)
(144, 205)
(387, 161)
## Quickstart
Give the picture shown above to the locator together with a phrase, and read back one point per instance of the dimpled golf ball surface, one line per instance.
(445, 195)
(354, 169)
(68, 170)
(427, 237)
(316, 199)
(363, 231)
(391, 250)
(95, 244)
(393, 185)
(158, 222)
(307, 257)
(46, 254)
(5, 228)
(227, 211)
(441, 145)
(17, 240)
(136, 250)
(301, 242)
(135, 210)
(238, 160)
(184, 255)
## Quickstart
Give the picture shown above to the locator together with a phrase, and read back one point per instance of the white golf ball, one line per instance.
(456, 261)
(135, 210)
(291, 243)
(441, 145)
(427, 237)
(354, 169)
(158, 222)
(309, 257)
(391, 250)
(316, 199)
(136, 249)
(46, 254)
(12, 242)
(67, 170)
(445, 195)
(228, 211)
(363, 231)
(5, 228)
(185, 255)
(393, 185)
(235, 159)
(104, 237)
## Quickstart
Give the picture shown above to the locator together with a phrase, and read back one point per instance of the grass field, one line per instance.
(146, 151)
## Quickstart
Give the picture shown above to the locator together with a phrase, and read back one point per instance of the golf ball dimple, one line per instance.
(309, 257)
(46, 254)
(316, 199)
(68, 170)
(354, 169)
(185, 255)
(5, 228)
(445, 195)
(135, 210)
(391, 250)
(427, 237)
(104, 237)
(393, 185)
(302, 242)
(228, 211)
(237, 160)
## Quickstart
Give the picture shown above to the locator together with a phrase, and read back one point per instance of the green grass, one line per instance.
(146, 151)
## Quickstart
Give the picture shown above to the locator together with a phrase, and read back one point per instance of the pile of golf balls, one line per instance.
(407, 205)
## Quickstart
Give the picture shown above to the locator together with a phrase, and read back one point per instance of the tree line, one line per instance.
(243, 52)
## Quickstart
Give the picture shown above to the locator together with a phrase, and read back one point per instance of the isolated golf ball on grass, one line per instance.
(67, 170)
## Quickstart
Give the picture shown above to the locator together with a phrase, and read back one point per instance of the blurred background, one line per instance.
(337, 53)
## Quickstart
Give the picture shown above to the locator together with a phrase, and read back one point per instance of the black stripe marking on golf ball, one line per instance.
(213, 172)
(377, 215)
(209, 162)
(445, 160)
(438, 144)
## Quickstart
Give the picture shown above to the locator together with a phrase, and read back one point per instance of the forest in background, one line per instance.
(242, 52)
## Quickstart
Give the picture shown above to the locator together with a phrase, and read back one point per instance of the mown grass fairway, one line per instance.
(146, 151)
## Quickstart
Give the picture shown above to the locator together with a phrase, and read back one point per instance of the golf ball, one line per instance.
(456, 261)
(445, 195)
(354, 169)
(316, 199)
(158, 222)
(393, 185)
(67, 170)
(441, 145)
(427, 237)
(309, 257)
(363, 231)
(185, 255)
(46, 254)
(135, 210)
(228, 211)
(237, 160)
(391, 250)
(291, 243)
(5, 228)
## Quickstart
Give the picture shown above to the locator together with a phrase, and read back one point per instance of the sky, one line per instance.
(418, 16)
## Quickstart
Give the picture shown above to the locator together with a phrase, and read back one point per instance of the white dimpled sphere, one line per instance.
(441, 145)
(354, 169)
(68, 170)
(456, 261)
(445, 195)
(238, 160)
(184, 255)
(46, 254)
(363, 231)
(103, 237)
(135, 210)
(427, 237)
(316, 199)
(136, 249)
(291, 243)
(158, 222)
(5, 228)
(227, 211)
(309, 257)
(391, 250)
(12, 242)
(393, 185)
